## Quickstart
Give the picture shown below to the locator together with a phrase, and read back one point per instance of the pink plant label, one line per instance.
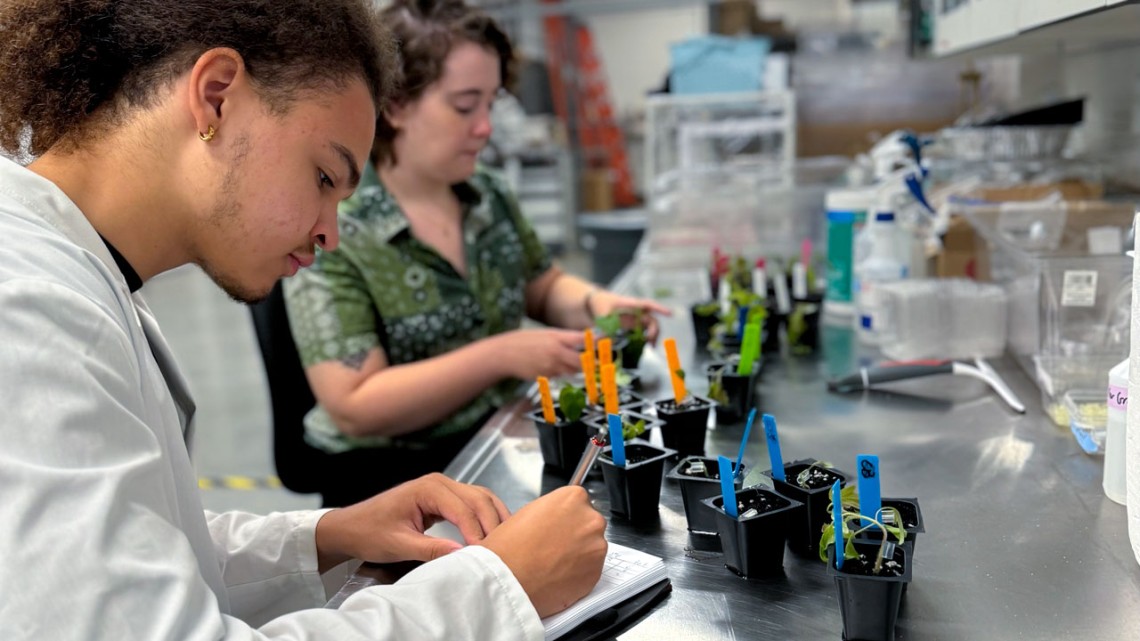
(1117, 398)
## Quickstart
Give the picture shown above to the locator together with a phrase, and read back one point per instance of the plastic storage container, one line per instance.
(1114, 444)
(943, 318)
(880, 266)
(1069, 311)
(846, 214)
(1086, 414)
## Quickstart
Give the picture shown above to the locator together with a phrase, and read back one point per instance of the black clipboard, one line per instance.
(607, 623)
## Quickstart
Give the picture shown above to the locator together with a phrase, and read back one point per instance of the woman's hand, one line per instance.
(603, 303)
(527, 353)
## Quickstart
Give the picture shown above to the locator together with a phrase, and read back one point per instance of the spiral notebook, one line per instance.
(627, 572)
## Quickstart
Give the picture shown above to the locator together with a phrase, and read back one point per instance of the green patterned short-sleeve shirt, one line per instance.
(383, 287)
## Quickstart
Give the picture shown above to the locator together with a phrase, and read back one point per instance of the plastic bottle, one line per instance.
(881, 265)
(846, 214)
(1114, 443)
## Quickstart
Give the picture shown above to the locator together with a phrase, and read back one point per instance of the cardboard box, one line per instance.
(963, 253)
(1069, 189)
(597, 190)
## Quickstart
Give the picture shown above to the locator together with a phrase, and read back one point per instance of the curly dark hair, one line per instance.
(69, 66)
(426, 31)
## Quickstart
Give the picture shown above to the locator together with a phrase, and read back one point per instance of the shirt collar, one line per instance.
(134, 282)
(472, 195)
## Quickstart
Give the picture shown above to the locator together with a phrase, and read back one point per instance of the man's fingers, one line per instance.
(421, 547)
(446, 503)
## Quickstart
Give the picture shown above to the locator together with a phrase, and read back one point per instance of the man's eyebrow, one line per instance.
(350, 160)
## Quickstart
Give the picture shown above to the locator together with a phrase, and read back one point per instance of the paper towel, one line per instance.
(1132, 442)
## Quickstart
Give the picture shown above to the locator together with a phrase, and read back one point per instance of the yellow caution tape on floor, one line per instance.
(234, 482)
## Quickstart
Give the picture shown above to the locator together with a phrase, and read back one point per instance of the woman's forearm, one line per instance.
(401, 399)
(564, 302)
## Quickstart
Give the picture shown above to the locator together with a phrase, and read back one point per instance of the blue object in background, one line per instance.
(870, 499)
(717, 64)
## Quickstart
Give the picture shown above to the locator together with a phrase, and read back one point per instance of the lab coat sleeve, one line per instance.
(95, 547)
(269, 563)
(271, 567)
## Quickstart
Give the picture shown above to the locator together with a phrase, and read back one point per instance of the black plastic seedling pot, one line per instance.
(753, 542)
(630, 350)
(808, 341)
(562, 443)
(698, 483)
(683, 427)
(770, 334)
(702, 325)
(869, 603)
(912, 522)
(628, 401)
(599, 423)
(804, 533)
(738, 389)
(635, 490)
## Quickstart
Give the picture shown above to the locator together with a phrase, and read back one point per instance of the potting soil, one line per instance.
(865, 566)
(818, 477)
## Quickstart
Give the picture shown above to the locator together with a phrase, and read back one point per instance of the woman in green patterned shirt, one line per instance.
(410, 331)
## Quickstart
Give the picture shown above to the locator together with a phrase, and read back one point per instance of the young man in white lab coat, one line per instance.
(220, 133)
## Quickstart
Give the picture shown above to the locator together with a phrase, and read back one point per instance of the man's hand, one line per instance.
(390, 526)
(555, 547)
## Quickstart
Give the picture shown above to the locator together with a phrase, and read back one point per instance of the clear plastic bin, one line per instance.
(1069, 311)
(1086, 412)
(943, 318)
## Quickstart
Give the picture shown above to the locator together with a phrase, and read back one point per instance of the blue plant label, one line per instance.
(727, 486)
(617, 440)
(837, 523)
(744, 441)
(870, 501)
(774, 456)
(742, 322)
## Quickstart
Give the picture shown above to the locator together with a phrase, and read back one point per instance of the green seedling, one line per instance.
(716, 387)
(572, 402)
(632, 430)
(707, 309)
(852, 527)
(631, 321)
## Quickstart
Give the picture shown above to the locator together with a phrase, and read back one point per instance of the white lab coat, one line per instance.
(102, 532)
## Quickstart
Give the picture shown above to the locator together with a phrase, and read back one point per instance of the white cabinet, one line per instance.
(963, 25)
(993, 20)
(953, 29)
(1035, 13)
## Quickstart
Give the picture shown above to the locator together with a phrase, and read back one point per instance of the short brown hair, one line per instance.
(426, 31)
(66, 64)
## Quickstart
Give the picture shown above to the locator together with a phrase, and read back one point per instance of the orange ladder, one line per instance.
(576, 74)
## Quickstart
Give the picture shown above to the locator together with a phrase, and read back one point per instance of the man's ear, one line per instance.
(213, 80)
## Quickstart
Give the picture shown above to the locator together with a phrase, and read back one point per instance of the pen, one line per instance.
(593, 448)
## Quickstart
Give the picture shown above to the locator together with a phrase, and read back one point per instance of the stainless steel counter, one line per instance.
(1020, 541)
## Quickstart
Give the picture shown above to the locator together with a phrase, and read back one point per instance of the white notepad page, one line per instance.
(627, 572)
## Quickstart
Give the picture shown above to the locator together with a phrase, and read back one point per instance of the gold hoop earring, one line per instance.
(209, 135)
